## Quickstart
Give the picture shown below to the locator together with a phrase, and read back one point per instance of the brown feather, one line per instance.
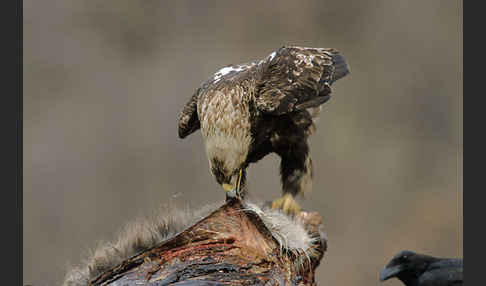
(297, 78)
(250, 110)
(188, 121)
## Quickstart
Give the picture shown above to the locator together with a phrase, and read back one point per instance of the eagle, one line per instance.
(249, 110)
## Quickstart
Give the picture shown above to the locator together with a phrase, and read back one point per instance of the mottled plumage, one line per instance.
(250, 110)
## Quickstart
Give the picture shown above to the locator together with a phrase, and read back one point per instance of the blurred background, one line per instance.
(104, 82)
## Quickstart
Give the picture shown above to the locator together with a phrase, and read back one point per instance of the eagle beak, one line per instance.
(232, 191)
(227, 187)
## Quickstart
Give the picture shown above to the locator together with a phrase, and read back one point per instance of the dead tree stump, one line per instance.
(231, 246)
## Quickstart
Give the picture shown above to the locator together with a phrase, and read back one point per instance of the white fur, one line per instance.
(289, 232)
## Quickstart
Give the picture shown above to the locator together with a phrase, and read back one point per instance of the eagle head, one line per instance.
(227, 157)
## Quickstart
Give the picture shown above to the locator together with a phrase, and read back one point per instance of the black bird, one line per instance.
(415, 269)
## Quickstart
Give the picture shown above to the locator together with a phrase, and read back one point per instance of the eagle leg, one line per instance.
(296, 173)
(287, 203)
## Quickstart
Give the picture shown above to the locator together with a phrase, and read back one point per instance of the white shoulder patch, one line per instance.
(271, 56)
(268, 58)
(226, 70)
(232, 69)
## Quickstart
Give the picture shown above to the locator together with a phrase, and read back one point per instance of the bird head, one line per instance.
(405, 265)
(228, 177)
(227, 157)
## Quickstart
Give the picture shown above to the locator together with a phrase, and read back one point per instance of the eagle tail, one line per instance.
(340, 67)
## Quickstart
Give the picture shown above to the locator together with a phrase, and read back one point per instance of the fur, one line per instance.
(146, 232)
(137, 236)
(289, 232)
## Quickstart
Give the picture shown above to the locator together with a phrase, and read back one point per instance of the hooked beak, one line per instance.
(228, 187)
(389, 272)
(232, 191)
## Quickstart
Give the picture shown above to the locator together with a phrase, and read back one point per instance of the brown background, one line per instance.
(105, 81)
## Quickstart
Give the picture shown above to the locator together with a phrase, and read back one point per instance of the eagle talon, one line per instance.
(288, 205)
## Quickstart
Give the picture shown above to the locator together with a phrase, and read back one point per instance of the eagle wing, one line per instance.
(188, 119)
(296, 78)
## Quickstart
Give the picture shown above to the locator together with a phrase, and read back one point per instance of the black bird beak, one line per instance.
(389, 272)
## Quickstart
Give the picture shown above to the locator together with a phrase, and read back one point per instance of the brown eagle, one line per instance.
(249, 110)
